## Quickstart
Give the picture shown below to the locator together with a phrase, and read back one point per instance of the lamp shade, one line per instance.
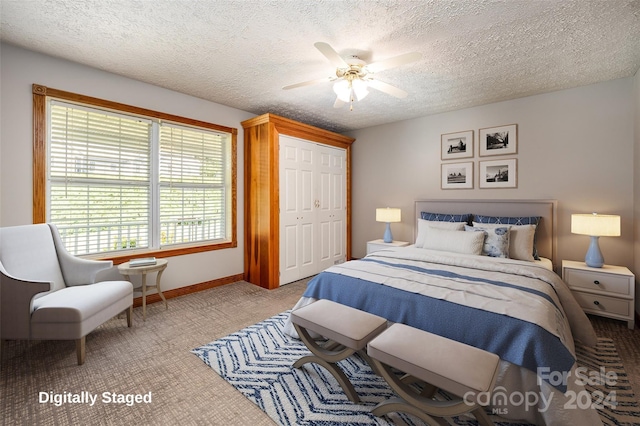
(388, 215)
(596, 225)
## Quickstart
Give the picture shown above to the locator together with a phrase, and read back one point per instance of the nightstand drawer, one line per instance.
(599, 304)
(598, 281)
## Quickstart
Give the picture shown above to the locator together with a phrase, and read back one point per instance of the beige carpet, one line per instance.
(154, 356)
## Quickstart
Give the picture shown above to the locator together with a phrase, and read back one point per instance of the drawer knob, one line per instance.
(596, 282)
(595, 302)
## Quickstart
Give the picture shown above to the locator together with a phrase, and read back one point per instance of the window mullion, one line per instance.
(154, 188)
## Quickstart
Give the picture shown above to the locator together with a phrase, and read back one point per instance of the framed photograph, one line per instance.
(457, 175)
(456, 145)
(501, 140)
(498, 173)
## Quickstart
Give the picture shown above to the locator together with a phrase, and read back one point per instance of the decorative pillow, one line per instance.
(444, 217)
(454, 241)
(423, 224)
(513, 220)
(506, 220)
(496, 240)
(520, 239)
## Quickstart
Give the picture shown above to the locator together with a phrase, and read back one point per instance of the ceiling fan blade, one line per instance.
(394, 62)
(333, 57)
(387, 88)
(307, 83)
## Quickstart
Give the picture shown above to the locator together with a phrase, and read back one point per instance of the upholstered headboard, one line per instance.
(546, 239)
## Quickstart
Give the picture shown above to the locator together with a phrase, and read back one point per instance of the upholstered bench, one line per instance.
(348, 331)
(459, 369)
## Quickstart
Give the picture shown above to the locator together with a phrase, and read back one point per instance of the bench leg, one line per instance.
(428, 390)
(412, 402)
(80, 344)
(482, 417)
(363, 353)
(336, 372)
(328, 359)
(399, 405)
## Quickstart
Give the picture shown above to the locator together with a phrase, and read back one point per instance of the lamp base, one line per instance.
(594, 257)
(388, 238)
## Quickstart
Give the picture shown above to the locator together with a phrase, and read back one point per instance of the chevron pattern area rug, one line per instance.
(258, 360)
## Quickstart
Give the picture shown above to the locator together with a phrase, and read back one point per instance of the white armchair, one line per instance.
(48, 294)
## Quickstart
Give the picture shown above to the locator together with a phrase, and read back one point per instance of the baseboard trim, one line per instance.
(170, 294)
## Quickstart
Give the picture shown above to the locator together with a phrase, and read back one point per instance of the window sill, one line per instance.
(119, 258)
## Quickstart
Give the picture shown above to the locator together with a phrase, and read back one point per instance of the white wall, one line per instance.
(20, 68)
(575, 146)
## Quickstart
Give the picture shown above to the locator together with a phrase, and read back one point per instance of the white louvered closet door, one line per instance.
(312, 208)
(332, 196)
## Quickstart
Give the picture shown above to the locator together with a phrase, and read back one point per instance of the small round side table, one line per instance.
(127, 270)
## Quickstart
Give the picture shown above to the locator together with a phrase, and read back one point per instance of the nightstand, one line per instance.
(376, 245)
(608, 291)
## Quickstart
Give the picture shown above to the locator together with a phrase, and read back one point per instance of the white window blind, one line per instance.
(192, 184)
(110, 190)
(99, 179)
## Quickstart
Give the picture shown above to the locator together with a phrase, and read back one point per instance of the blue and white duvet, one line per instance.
(519, 310)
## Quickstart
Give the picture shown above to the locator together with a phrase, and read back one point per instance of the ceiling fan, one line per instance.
(354, 76)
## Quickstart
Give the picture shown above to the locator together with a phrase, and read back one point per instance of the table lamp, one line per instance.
(388, 215)
(596, 226)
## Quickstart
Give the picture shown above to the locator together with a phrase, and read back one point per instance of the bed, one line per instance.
(511, 303)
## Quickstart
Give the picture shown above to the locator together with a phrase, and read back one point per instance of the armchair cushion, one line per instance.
(74, 312)
(79, 303)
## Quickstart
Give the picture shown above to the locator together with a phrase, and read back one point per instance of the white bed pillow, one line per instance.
(520, 239)
(453, 241)
(423, 224)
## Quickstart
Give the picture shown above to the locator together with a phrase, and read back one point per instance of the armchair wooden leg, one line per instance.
(80, 343)
(130, 316)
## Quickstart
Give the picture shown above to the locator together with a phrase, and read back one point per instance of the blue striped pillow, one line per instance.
(506, 220)
(445, 217)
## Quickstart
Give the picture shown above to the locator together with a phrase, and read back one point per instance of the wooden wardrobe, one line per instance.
(262, 190)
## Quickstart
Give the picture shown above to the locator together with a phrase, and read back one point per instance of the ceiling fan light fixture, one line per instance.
(351, 90)
(343, 90)
(359, 88)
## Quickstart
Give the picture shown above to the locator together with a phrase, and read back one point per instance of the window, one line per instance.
(123, 181)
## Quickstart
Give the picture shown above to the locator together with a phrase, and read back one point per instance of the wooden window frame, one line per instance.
(40, 95)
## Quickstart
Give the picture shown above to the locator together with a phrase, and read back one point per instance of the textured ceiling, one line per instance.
(241, 53)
